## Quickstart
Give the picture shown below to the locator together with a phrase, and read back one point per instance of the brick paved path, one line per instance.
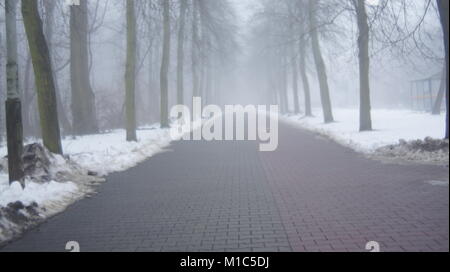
(309, 195)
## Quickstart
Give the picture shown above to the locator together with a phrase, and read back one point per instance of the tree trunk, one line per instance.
(443, 12)
(320, 64)
(83, 99)
(130, 74)
(305, 81)
(164, 80)
(1, 91)
(365, 119)
(27, 98)
(14, 128)
(180, 53)
(154, 93)
(195, 44)
(294, 67)
(45, 86)
(151, 93)
(48, 32)
(202, 75)
(295, 80)
(283, 84)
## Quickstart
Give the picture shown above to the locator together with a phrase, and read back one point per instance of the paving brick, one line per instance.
(309, 195)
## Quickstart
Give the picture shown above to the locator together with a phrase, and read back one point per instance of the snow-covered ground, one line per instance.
(390, 126)
(107, 153)
(97, 154)
(102, 153)
(38, 193)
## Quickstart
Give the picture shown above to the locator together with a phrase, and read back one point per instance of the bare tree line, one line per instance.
(312, 23)
(57, 38)
(172, 50)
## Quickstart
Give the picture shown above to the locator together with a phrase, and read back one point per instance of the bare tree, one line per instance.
(1, 89)
(365, 122)
(49, 21)
(130, 74)
(195, 49)
(283, 79)
(164, 80)
(180, 51)
(27, 97)
(13, 104)
(83, 99)
(443, 7)
(320, 64)
(303, 26)
(45, 86)
(304, 76)
(153, 27)
(293, 49)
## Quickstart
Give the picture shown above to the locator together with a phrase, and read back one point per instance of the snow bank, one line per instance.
(390, 126)
(427, 150)
(110, 152)
(34, 192)
(42, 197)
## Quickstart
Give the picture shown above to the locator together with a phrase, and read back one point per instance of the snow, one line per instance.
(390, 126)
(107, 153)
(34, 192)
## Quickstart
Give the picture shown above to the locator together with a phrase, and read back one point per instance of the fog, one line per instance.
(246, 51)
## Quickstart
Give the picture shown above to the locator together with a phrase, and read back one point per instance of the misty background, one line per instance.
(238, 38)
